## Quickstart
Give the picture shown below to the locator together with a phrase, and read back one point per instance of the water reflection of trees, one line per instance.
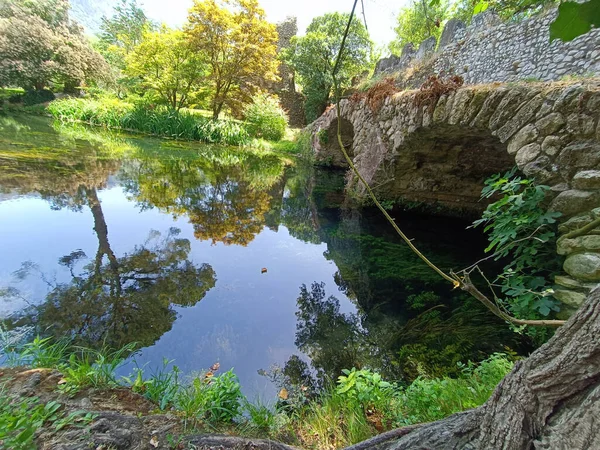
(116, 300)
(407, 322)
(111, 299)
(431, 343)
(227, 197)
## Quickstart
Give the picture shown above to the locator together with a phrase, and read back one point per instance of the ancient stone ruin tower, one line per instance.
(291, 100)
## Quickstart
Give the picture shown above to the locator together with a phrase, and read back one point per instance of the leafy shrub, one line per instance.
(213, 398)
(162, 387)
(262, 418)
(523, 231)
(265, 118)
(304, 144)
(93, 368)
(364, 386)
(427, 400)
(37, 97)
(44, 352)
(16, 98)
(103, 112)
(323, 136)
(363, 404)
(30, 98)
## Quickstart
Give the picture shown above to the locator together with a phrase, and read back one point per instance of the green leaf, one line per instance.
(480, 7)
(575, 19)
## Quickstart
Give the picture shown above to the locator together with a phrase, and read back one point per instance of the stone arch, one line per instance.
(551, 131)
(446, 165)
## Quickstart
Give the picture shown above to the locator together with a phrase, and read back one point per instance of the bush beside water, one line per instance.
(360, 405)
(159, 121)
(265, 118)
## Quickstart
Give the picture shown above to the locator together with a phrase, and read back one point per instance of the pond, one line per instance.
(208, 254)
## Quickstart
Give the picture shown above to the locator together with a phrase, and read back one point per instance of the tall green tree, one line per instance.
(167, 65)
(125, 29)
(119, 35)
(240, 46)
(313, 57)
(417, 22)
(40, 45)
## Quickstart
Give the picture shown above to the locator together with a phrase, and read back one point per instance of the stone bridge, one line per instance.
(441, 154)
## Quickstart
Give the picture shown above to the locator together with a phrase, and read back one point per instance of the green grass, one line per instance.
(114, 113)
(360, 405)
(5, 93)
(295, 142)
(21, 417)
(345, 415)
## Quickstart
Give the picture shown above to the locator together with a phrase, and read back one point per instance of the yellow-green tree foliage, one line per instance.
(418, 22)
(168, 66)
(240, 46)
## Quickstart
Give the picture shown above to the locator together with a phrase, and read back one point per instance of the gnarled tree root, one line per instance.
(551, 400)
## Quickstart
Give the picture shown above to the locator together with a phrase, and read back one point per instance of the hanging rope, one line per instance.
(463, 282)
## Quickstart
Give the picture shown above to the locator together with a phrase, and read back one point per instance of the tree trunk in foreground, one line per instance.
(549, 401)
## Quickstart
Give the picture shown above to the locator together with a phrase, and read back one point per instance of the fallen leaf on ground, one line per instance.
(283, 394)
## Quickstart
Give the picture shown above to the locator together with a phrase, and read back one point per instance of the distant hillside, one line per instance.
(89, 13)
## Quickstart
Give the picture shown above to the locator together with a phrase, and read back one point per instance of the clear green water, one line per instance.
(111, 239)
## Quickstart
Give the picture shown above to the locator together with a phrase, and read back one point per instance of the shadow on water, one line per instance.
(390, 313)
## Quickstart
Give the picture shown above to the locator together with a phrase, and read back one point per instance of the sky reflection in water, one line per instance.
(127, 239)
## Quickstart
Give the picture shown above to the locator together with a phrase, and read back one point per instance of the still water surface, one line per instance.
(113, 239)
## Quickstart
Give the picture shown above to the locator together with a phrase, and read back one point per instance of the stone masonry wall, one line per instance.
(488, 50)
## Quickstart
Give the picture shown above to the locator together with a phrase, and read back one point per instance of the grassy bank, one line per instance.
(359, 405)
(114, 113)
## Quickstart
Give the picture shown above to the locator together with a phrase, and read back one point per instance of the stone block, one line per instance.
(426, 48)
(507, 108)
(551, 145)
(568, 282)
(489, 107)
(477, 101)
(566, 246)
(579, 221)
(439, 114)
(587, 179)
(527, 154)
(573, 299)
(541, 170)
(568, 98)
(550, 124)
(583, 266)
(580, 124)
(452, 28)
(523, 115)
(526, 135)
(575, 201)
(461, 100)
(581, 155)
(487, 19)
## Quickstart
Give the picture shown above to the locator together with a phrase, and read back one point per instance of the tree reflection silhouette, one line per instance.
(226, 195)
(110, 300)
